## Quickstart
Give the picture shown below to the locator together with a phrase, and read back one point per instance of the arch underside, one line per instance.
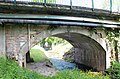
(87, 51)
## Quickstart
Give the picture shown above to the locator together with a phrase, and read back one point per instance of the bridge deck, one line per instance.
(57, 14)
(106, 5)
(58, 10)
(61, 20)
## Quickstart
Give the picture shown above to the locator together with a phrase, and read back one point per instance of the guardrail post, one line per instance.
(14, 2)
(111, 4)
(5, 0)
(45, 3)
(92, 5)
(70, 4)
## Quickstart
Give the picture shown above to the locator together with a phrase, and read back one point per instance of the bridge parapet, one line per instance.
(110, 5)
(107, 9)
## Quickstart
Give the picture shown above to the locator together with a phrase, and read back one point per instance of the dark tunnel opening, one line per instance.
(89, 54)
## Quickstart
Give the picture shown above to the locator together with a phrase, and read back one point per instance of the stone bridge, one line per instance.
(20, 30)
(90, 43)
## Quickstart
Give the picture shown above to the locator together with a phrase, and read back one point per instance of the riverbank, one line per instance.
(10, 70)
(44, 68)
(50, 61)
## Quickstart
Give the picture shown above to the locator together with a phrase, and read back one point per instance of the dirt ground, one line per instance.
(43, 68)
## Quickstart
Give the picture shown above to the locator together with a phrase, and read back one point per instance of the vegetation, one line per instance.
(47, 1)
(37, 55)
(42, 1)
(77, 74)
(114, 71)
(113, 36)
(53, 40)
(10, 70)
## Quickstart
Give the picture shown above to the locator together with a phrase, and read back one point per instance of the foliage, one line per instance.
(38, 1)
(10, 70)
(47, 1)
(77, 74)
(113, 36)
(52, 40)
(51, 1)
(114, 71)
(38, 55)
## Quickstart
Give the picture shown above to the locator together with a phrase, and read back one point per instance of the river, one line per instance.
(61, 64)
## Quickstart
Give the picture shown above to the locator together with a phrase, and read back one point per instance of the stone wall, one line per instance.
(2, 41)
(16, 36)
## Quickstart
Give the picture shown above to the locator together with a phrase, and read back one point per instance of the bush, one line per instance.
(37, 55)
(114, 71)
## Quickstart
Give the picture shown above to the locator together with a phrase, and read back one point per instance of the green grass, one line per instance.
(10, 70)
(38, 55)
(77, 74)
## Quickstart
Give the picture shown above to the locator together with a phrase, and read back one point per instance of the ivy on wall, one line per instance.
(113, 36)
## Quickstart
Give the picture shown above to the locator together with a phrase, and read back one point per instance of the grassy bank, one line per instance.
(10, 70)
(38, 55)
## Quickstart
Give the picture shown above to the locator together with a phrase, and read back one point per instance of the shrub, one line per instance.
(114, 71)
(37, 55)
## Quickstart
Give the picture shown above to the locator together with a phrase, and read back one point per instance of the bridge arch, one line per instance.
(88, 51)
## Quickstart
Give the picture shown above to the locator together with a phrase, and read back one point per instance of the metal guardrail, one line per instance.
(93, 4)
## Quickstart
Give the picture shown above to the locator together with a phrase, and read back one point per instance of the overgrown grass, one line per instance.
(38, 55)
(10, 70)
(77, 74)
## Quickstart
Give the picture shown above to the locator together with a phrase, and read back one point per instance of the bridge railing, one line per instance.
(107, 5)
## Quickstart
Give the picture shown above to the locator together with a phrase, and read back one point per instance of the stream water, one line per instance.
(57, 64)
(61, 64)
